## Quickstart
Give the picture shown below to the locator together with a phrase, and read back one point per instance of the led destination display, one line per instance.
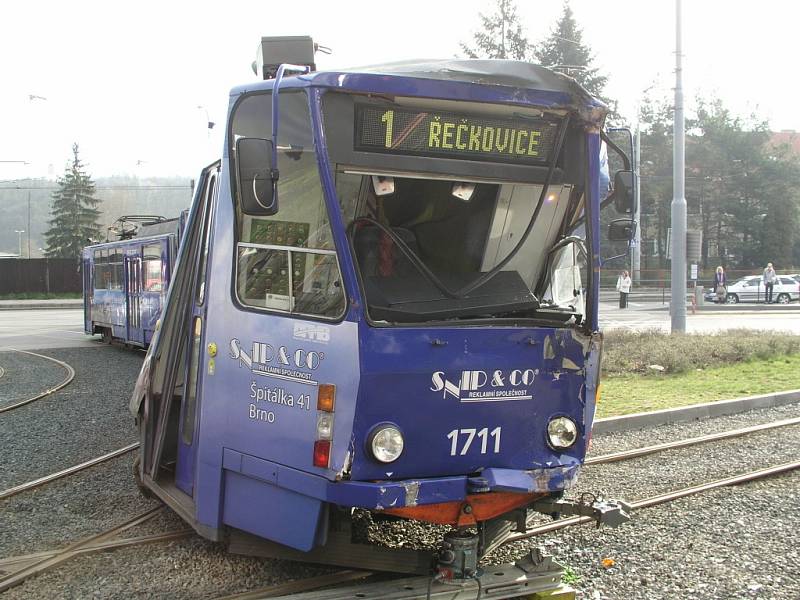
(453, 135)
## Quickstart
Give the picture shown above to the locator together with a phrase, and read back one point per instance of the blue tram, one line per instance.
(386, 300)
(125, 282)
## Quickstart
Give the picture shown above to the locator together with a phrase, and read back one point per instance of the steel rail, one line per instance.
(47, 392)
(303, 585)
(602, 459)
(73, 550)
(68, 471)
(34, 564)
(38, 563)
(712, 437)
(661, 499)
(298, 586)
(17, 563)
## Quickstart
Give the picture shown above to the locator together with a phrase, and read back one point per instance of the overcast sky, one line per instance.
(125, 79)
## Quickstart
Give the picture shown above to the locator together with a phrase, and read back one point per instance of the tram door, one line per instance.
(86, 268)
(133, 308)
(187, 450)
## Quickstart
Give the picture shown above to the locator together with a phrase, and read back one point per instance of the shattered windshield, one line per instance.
(421, 244)
(452, 207)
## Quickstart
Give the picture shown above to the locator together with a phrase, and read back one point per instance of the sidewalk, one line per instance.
(650, 303)
(61, 303)
(740, 307)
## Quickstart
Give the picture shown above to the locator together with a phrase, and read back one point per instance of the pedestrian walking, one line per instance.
(720, 285)
(624, 284)
(770, 277)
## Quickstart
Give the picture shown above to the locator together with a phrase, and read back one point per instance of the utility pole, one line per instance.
(636, 249)
(678, 273)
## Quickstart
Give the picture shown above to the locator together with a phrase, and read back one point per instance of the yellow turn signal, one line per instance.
(326, 397)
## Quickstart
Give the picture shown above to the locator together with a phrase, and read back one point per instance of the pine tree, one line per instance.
(501, 35)
(74, 212)
(564, 47)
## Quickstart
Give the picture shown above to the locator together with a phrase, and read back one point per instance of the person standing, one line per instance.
(720, 285)
(624, 288)
(770, 276)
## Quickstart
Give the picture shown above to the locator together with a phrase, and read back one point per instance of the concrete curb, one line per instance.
(741, 307)
(39, 304)
(694, 412)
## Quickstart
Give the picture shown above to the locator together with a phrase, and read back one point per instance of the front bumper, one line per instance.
(382, 495)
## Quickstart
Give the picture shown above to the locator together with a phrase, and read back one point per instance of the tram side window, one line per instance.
(287, 261)
(153, 280)
(100, 269)
(115, 276)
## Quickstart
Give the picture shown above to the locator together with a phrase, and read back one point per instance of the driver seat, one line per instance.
(378, 255)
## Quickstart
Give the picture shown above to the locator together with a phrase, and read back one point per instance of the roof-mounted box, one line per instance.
(275, 51)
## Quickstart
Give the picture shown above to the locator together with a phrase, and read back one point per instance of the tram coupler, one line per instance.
(604, 512)
(458, 556)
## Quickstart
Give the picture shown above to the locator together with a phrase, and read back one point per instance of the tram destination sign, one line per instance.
(440, 134)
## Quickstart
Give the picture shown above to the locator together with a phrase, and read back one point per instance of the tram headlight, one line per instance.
(386, 443)
(561, 432)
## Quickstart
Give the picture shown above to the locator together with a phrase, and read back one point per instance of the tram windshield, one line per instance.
(437, 198)
(424, 246)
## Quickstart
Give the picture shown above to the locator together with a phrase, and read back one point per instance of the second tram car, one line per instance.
(125, 281)
(387, 300)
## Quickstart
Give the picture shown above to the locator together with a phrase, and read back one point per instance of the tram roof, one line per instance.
(446, 77)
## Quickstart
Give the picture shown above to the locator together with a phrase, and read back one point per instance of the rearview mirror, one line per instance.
(622, 195)
(621, 230)
(256, 176)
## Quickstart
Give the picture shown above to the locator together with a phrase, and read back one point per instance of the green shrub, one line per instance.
(627, 352)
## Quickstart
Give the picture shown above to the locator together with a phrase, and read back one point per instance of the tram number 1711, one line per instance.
(468, 435)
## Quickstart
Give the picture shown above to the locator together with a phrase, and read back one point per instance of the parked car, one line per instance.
(751, 289)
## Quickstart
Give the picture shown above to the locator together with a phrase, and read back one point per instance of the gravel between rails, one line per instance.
(735, 542)
(26, 375)
(716, 545)
(87, 418)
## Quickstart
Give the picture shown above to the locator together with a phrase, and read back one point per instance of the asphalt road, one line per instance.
(63, 328)
(654, 315)
(44, 328)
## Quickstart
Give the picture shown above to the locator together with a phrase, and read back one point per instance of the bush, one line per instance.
(626, 352)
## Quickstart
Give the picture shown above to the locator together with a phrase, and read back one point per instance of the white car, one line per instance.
(751, 289)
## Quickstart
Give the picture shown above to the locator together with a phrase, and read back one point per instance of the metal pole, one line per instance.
(19, 233)
(678, 298)
(636, 251)
(29, 224)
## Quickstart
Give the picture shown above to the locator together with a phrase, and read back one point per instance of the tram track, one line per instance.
(70, 375)
(662, 499)
(595, 460)
(311, 584)
(35, 483)
(58, 557)
(26, 566)
(22, 567)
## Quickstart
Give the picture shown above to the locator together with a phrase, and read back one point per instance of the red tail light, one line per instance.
(322, 453)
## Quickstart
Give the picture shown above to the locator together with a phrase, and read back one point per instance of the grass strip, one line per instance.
(625, 394)
(41, 296)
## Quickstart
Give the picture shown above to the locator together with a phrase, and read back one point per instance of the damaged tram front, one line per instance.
(386, 300)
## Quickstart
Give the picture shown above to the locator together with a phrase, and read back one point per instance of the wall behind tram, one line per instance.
(40, 275)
